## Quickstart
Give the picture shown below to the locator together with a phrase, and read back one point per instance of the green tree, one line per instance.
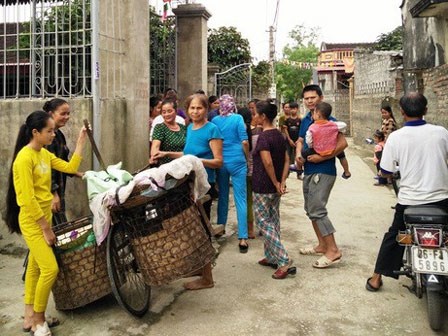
(261, 79)
(227, 48)
(390, 41)
(162, 52)
(290, 73)
(63, 24)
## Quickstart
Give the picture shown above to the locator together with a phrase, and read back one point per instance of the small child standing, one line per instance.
(291, 128)
(378, 138)
(322, 135)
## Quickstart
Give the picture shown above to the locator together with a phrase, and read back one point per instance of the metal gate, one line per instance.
(162, 54)
(237, 82)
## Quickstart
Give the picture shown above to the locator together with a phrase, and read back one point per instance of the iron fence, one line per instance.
(45, 48)
(237, 82)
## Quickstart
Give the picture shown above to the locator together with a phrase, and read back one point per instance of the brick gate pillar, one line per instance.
(191, 48)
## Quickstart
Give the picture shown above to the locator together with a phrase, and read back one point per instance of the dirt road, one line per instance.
(246, 300)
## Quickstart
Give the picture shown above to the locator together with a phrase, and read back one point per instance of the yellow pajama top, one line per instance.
(32, 178)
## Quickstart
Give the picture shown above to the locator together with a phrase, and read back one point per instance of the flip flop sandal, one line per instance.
(309, 251)
(370, 288)
(51, 322)
(346, 176)
(324, 262)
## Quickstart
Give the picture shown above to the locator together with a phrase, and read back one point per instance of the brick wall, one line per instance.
(435, 89)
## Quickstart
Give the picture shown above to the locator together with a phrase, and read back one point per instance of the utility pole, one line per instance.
(272, 90)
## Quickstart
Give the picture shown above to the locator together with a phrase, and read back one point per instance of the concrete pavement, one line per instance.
(246, 300)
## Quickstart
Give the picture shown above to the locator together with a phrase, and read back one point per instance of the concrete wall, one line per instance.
(12, 116)
(377, 76)
(341, 108)
(136, 81)
(424, 45)
(424, 40)
(124, 83)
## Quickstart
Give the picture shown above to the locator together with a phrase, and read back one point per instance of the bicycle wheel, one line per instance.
(127, 282)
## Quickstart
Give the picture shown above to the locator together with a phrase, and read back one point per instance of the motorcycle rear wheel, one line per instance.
(435, 307)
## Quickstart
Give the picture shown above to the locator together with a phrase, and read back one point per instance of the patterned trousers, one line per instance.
(267, 218)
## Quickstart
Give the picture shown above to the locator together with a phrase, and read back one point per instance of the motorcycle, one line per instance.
(425, 259)
(396, 178)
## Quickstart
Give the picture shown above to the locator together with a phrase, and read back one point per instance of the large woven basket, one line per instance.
(82, 277)
(168, 237)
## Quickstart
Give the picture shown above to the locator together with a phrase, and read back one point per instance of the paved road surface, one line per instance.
(246, 300)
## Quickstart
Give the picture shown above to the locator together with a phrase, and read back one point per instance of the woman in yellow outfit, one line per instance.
(29, 209)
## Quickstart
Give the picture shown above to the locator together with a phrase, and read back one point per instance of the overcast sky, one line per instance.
(339, 21)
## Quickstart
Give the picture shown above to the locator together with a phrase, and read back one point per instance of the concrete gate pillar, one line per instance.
(123, 82)
(191, 48)
(136, 83)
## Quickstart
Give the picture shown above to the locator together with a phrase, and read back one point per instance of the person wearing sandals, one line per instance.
(28, 210)
(308, 120)
(270, 170)
(422, 151)
(235, 150)
(204, 140)
(320, 175)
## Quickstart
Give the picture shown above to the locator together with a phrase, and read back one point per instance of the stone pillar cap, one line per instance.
(192, 10)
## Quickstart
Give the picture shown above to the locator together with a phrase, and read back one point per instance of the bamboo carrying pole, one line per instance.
(94, 147)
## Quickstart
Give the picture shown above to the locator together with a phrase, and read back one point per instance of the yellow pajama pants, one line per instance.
(42, 268)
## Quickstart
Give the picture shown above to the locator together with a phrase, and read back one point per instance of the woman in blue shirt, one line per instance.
(205, 142)
(235, 153)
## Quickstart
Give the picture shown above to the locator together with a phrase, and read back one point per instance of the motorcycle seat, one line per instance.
(425, 214)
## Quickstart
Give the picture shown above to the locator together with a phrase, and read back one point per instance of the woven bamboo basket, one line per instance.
(82, 276)
(167, 234)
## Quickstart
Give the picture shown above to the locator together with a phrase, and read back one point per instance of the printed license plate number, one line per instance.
(429, 260)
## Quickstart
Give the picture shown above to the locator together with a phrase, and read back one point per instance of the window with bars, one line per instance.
(45, 48)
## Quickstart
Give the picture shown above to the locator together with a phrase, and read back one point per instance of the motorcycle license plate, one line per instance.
(429, 260)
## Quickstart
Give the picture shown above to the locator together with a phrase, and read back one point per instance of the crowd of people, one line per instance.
(257, 153)
(244, 145)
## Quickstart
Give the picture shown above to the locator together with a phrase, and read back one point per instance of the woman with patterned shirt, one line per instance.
(168, 140)
(389, 123)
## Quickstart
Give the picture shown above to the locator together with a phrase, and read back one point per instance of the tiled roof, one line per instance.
(341, 46)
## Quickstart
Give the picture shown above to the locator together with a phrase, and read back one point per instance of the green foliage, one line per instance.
(227, 48)
(391, 41)
(162, 51)
(261, 79)
(290, 77)
(61, 25)
(160, 32)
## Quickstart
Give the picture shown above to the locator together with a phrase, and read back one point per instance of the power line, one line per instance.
(274, 24)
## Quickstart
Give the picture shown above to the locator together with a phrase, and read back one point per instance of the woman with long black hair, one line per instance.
(28, 210)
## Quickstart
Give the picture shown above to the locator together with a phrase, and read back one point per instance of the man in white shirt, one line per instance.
(421, 150)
